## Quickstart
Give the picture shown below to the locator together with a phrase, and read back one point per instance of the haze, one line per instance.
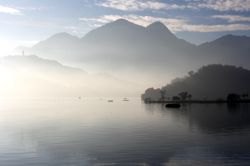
(115, 48)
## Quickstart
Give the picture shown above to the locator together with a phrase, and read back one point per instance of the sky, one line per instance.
(25, 22)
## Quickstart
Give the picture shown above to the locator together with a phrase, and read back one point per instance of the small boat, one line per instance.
(173, 105)
(110, 101)
(125, 99)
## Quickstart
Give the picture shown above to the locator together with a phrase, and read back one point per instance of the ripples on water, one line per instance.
(72, 132)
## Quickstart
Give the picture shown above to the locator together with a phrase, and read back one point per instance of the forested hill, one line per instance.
(210, 82)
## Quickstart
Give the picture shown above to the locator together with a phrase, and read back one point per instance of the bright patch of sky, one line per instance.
(24, 22)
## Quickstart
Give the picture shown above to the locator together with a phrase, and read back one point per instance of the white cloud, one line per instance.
(232, 18)
(216, 28)
(139, 5)
(224, 5)
(175, 25)
(9, 10)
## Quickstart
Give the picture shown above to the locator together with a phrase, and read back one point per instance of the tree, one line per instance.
(163, 94)
(244, 96)
(233, 97)
(183, 95)
(176, 98)
(191, 73)
(189, 96)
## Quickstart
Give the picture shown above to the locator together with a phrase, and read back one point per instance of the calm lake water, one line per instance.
(73, 132)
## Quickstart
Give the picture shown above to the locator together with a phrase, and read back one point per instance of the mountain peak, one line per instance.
(63, 35)
(121, 20)
(122, 23)
(158, 29)
(59, 38)
(157, 26)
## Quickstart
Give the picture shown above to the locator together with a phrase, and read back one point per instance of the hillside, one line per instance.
(210, 82)
(32, 76)
(121, 44)
(35, 63)
(229, 49)
(150, 55)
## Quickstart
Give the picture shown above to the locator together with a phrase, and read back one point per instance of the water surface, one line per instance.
(73, 132)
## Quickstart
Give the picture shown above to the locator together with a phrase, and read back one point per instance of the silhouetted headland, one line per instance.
(210, 84)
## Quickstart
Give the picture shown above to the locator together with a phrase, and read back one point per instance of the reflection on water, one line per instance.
(60, 132)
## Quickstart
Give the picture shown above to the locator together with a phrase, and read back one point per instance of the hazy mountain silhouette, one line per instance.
(209, 82)
(120, 31)
(59, 46)
(119, 44)
(228, 49)
(35, 63)
(32, 76)
(122, 45)
(125, 33)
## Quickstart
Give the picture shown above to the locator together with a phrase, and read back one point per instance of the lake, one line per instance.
(92, 131)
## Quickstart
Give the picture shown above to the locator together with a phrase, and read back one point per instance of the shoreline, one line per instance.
(197, 102)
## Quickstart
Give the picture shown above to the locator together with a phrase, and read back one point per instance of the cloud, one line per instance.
(232, 18)
(139, 5)
(216, 28)
(9, 10)
(175, 25)
(224, 5)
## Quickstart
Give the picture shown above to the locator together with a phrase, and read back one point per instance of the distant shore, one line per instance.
(198, 101)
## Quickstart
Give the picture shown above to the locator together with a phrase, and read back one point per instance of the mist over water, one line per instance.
(69, 131)
(119, 58)
(68, 100)
(32, 76)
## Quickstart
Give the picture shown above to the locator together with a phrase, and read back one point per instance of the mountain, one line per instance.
(228, 42)
(124, 33)
(209, 82)
(118, 32)
(61, 46)
(153, 52)
(127, 44)
(32, 76)
(35, 63)
(228, 49)
(119, 44)
(160, 34)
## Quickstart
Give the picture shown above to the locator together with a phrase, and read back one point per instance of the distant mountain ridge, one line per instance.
(36, 63)
(110, 41)
(32, 76)
(122, 44)
(228, 49)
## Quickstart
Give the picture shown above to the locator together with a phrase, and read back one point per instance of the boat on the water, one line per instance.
(173, 105)
(110, 101)
(125, 99)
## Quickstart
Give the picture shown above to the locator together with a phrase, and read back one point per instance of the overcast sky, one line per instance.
(24, 22)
